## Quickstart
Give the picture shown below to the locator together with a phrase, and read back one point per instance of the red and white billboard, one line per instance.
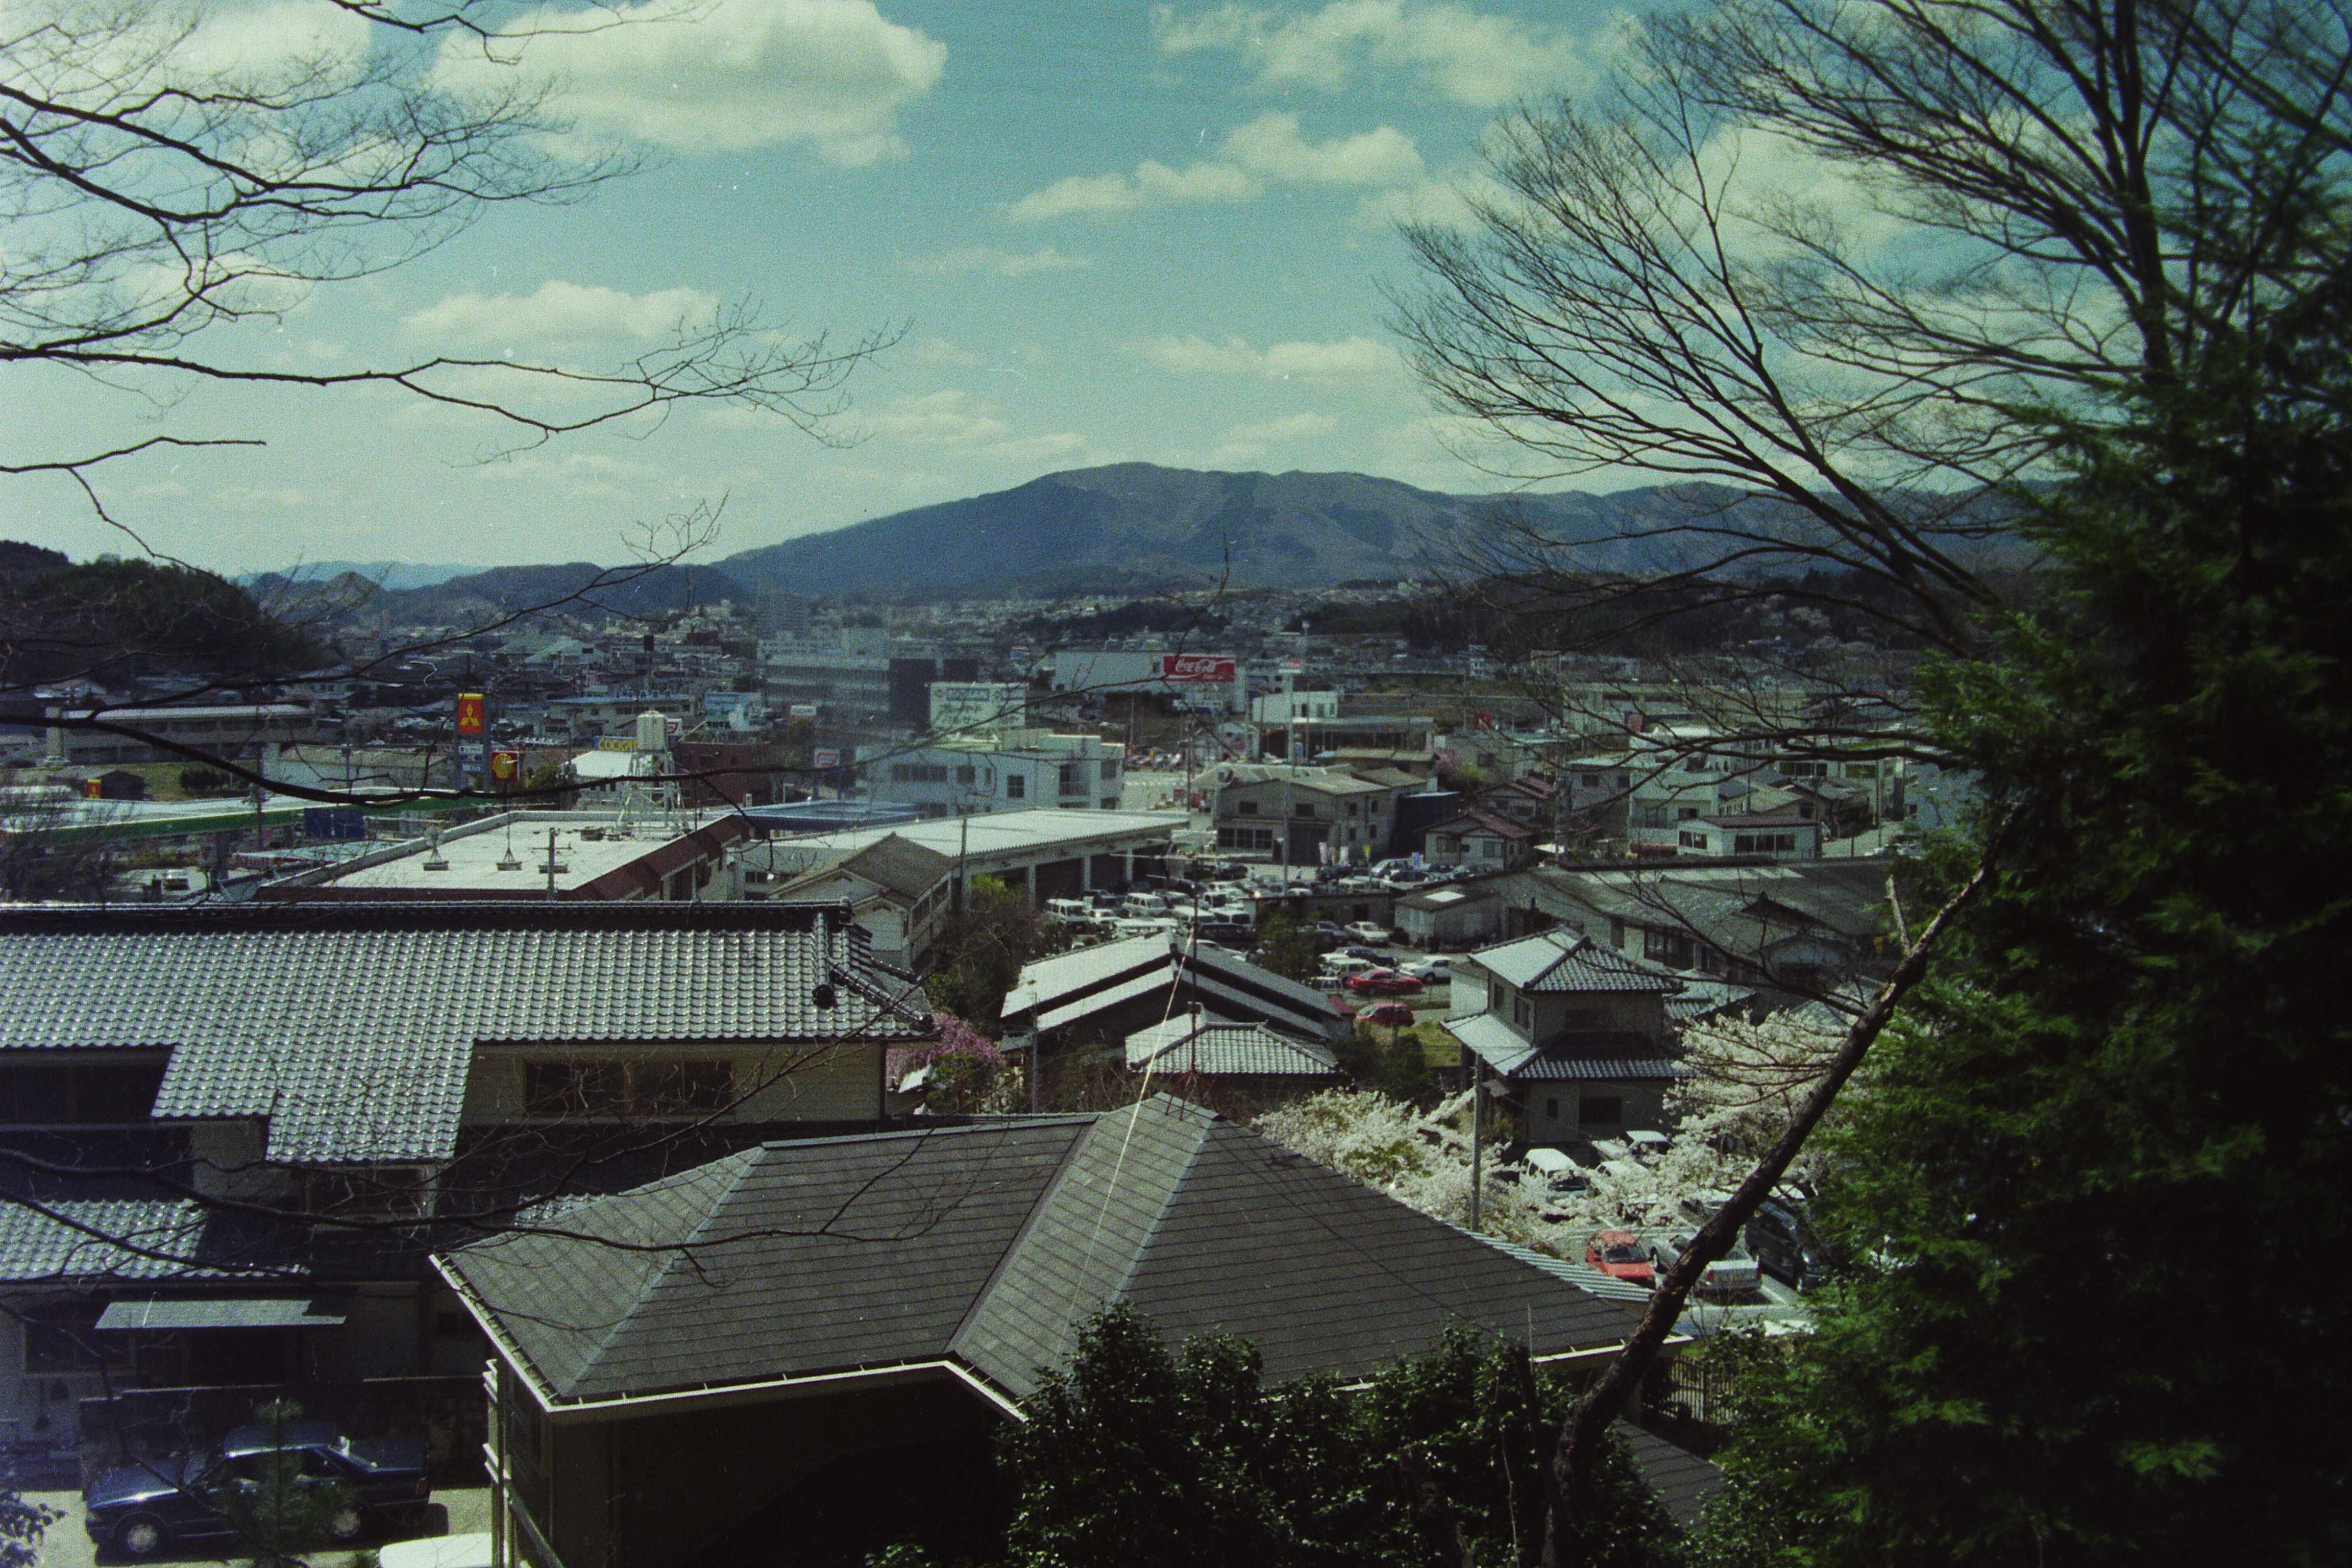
(1216, 668)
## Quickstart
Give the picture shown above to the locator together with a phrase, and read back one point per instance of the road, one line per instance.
(457, 1510)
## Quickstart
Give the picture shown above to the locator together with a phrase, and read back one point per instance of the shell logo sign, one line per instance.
(1206, 668)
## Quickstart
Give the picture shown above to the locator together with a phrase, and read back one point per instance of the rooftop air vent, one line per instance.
(824, 996)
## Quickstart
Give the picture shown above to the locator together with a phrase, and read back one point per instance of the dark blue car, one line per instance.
(140, 1510)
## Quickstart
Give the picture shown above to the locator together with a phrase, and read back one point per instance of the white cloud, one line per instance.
(969, 259)
(1248, 442)
(556, 313)
(952, 419)
(1268, 151)
(1346, 359)
(942, 351)
(725, 76)
(240, 40)
(1472, 57)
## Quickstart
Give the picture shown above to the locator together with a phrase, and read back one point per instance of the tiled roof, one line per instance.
(1053, 993)
(351, 1028)
(1682, 1480)
(130, 1238)
(1212, 1045)
(1548, 1066)
(1567, 961)
(992, 1245)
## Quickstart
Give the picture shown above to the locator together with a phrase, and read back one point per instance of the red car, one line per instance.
(1619, 1255)
(1383, 982)
(1395, 1015)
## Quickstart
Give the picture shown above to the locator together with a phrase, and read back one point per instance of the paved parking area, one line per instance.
(455, 1511)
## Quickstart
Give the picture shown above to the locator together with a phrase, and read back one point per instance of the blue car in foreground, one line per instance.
(139, 1510)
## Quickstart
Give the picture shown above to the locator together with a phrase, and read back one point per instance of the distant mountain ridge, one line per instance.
(1136, 525)
(1127, 526)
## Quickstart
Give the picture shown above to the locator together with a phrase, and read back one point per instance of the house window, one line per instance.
(1302, 809)
(60, 1336)
(626, 1089)
(966, 774)
(83, 1095)
(1016, 786)
(1522, 1011)
(1351, 808)
(1690, 840)
(1244, 808)
(1071, 783)
(1109, 769)
(1671, 949)
(1684, 813)
(1600, 1111)
(1616, 932)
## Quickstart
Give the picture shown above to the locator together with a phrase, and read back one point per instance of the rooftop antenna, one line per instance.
(433, 858)
(511, 863)
(552, 865)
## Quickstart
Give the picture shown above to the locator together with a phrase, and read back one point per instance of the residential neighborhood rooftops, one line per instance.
(988, 1246)
(1057, 990)
(351, 1028)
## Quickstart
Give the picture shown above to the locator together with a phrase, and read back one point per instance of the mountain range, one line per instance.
(1127, 526)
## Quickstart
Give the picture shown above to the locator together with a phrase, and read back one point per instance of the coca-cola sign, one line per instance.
(1197, 667)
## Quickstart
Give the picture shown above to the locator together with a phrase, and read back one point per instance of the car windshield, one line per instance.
(1621, 1252)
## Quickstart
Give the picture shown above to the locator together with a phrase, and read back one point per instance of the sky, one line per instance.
(1100, 231)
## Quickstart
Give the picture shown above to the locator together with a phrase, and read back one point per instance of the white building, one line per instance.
(1017, 770)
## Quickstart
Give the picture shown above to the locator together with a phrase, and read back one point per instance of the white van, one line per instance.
(1073, 909)
(1341, 964)
(1121, 930)
(1142, 906)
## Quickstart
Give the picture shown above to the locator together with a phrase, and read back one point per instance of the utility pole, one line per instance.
(1478, 1143)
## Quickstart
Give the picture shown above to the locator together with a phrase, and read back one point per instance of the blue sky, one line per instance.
(1111, 232)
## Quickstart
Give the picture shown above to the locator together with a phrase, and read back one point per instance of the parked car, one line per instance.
(1733, 1276)
(1777, 1236)
(1432, 971)
(140, 1510)
(1619, 1255)
(1371, 955)
(1384, 983)
(1368, 930)
(1391, 1014)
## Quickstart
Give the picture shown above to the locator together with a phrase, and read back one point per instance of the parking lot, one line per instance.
(454, 1511)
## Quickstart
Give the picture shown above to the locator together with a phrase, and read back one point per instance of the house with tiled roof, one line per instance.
(293, 1097)
(1579, 1032)
(782, 1337)
(1483, 841)
(1228, 1065)
(1098, 996)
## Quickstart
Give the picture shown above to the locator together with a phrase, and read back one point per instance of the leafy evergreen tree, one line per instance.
(2101, 1182)
(1139, 1457)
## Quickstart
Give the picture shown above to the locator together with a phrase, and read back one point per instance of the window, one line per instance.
(1686, 813)
(60, 1336)
(84, 1094)
(1589, 781)
(1523, 1012)
(1670, 948)
(626, 1089)
(1351, 808)
(918, 773)
(1600, 1111)
(966, 774)
(1244, 837)
(1690, 840)
(1616, 932)
(1067, 776)
(1016, 786)
(1109, 769)
(1244, 808)
(1302, 809)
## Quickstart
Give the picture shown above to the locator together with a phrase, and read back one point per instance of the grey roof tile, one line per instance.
(352, 1027)
(994, 1242)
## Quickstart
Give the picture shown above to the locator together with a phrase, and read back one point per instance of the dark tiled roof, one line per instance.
(1562, 961)
(992, 1244)
(351, 1028)
(1216, 1045)
(1548, 1066)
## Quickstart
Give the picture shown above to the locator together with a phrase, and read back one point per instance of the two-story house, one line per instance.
(1580, 1034)
(1301, 816)
(236, 1130)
